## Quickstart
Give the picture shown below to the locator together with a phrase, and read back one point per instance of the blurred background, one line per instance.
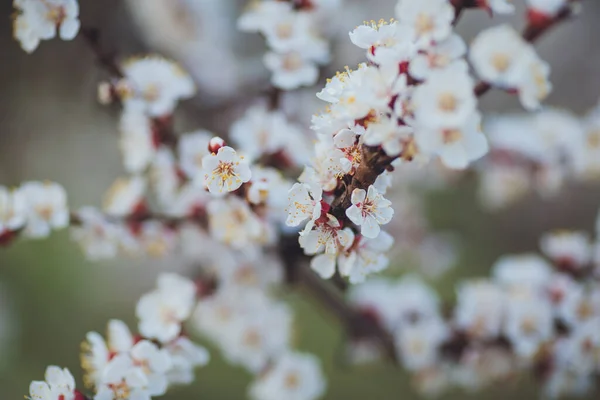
(52, 128)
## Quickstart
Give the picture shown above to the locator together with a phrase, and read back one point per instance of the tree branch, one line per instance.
(105, 58)
(357, 325)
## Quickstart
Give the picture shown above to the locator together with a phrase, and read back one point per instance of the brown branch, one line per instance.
(374, 163)
(460, 6)
(274, 96)
(105, 58)
(357, 325)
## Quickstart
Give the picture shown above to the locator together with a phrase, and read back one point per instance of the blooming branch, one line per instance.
(230, 206)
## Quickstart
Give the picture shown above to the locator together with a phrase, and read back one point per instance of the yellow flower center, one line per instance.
(292, 62)
(292, 381)
(225, 170)
(501, 62)
(452, 136)
(424, 23)
(593, 139)
(447, 102)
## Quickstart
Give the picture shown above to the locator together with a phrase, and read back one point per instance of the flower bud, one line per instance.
(215, 144)
(105, 93)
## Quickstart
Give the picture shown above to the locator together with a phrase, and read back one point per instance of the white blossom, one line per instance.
(579, 306)
(457, 147)
(162, 311)
(225, 171)
(232, 222)
(154, 84)
(291, 70)
(185, 356)
(522, 271)
(446, 99)
(501, 57)
(125, 196)
(97, 236)
(442, 55)
(38, 20)
(480, 309)
(293, 376)
(155, 363)
(136, 141)
(46, 208)
(373, 35)
(528, 325)
(418, 344)
(369, 210)
(253, 340)
(13, 209)
(95, 355)
(365, 257)
(430, 19)
(192, 148)
(59, 384)
(261, 132)
(495, 55)
(567, 247)
(164, 176)
(304, 202)
(389, 135)
(122, 379)
(328, 237)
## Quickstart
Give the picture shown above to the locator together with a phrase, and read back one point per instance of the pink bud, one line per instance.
(215, 144)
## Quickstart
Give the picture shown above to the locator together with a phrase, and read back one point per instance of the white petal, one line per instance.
(310, 242)
(119, 336)
(39, 390)
(355, 214)
(157, 384)
(324, 265)
(346, 237)
(358, 196)
(69, 29)
(370, 228)
(455, 156)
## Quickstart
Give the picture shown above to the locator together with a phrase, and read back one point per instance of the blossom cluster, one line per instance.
(33, 209)
(249, 327)
(37, 20)
(194, 188)
(294, 31)
(543, 151)
(413, 101)
(254, 331)
(533, 313)
(180, 183)
(126, 366)
(501, 57)
(226, 206)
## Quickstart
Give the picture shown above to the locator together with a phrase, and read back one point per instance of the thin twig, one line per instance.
(105, 58)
